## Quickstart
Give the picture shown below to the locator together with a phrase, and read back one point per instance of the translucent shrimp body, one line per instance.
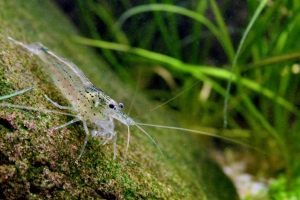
(92, 106)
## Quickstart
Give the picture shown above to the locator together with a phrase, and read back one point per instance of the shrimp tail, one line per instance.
(34, 48)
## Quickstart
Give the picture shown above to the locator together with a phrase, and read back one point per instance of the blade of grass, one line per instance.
(196, 34)
(225, 35)
(293, 56)
(108, 19)
(178, 10)
(259, 9)
(169, 32)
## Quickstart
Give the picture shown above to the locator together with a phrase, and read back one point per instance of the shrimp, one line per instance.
(92, 106)
(15, 93)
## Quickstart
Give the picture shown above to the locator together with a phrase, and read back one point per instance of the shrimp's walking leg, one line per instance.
(16, 93)
(59, 106)
(68, 123)
(115, 146)
(85, 140)
(128, 140)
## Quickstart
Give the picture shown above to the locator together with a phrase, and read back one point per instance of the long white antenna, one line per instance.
(197, 132)
(149, 137)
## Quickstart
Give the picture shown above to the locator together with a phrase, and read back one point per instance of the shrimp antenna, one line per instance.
(135, 91)
(149, 137)
(201, 133)
(170, 99)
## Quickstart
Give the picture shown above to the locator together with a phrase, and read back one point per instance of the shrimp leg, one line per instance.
(59, 106)
(16, 93)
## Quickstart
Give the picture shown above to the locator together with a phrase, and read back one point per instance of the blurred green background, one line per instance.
(170, 47)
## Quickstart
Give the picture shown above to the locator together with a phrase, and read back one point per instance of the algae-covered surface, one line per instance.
(38, 162)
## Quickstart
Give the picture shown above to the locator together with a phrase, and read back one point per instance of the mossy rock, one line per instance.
(37, 162)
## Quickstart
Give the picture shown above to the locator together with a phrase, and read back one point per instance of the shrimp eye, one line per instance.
(121, 105)
(111, 105)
